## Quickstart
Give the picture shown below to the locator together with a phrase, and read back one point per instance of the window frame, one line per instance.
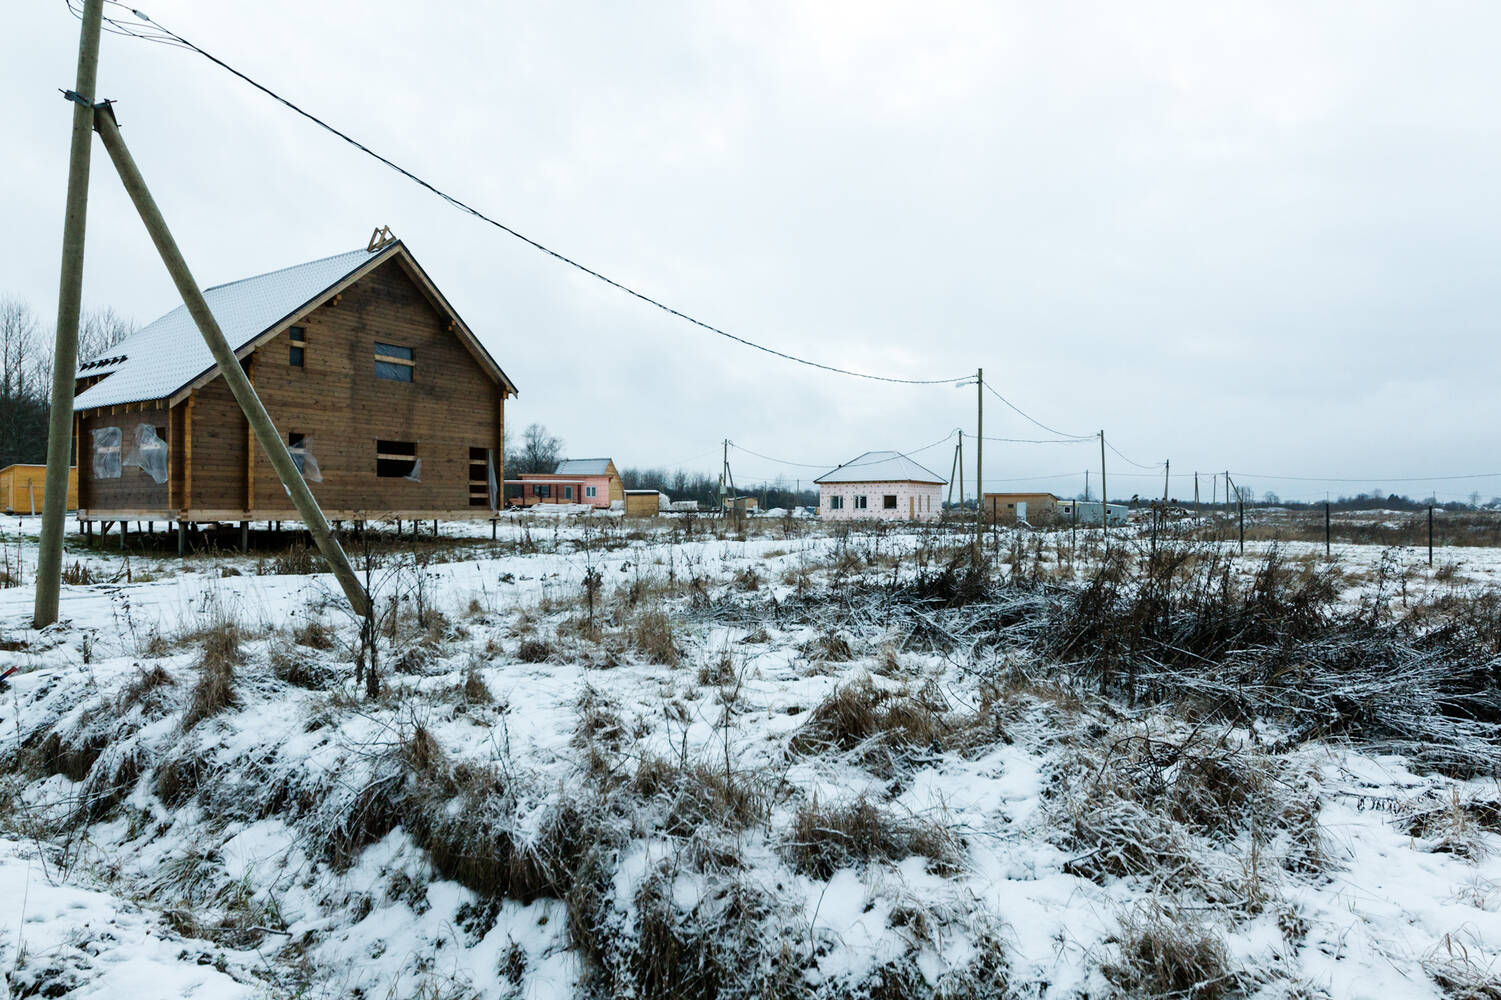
(861, 502)
(542, 491)
(297, 351)
(888, 501)
(391, 355)
(391, 453)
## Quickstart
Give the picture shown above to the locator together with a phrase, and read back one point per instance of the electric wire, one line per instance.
(556, 255)
(1128, 461)
(847, 465)
(1051, 430)
(1368, 479)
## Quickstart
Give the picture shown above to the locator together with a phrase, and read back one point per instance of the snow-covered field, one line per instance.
(682, 761)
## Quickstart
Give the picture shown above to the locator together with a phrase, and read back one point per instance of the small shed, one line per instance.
(1008, 508)
(642, 503)
(884, 485)
(740, 503)
(22, 486)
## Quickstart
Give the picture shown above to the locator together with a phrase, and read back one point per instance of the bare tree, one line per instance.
(539, 452)
(101, 329)
(23, 384)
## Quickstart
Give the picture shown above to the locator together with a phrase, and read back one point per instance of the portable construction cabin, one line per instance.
(1033, 508)
(743, 504)
(592, 481)
(1089, 512)
(21, 488)
(881, 484)
(388, 401)
(642, 503)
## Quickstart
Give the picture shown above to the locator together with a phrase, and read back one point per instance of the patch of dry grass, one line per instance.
(823, 839)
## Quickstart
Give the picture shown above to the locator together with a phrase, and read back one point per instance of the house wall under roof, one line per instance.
(911, 501)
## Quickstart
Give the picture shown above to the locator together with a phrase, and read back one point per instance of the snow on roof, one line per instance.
(583, 467)
(881, 467)
(168, 353)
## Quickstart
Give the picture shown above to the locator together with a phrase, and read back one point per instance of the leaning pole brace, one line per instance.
(224, 355)
(69, 303)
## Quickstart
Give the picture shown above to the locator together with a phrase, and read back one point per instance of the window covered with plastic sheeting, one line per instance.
(416, 474)
(494, 483)
(107, 453)
(148, 452)
(301, 447)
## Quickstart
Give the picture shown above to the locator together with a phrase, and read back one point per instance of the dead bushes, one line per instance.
(214, 691)
(1160, 954)
(1137, 803)
(824, 839)
(885, 729)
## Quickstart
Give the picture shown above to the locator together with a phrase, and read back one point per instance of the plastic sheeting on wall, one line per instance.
(107, 453)
(416, 474)
(148, 452)
(494, 486)
(307, 462)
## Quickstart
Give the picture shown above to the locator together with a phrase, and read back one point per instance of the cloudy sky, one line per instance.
(1261, 237)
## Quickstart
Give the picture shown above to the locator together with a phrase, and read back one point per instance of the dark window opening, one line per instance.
(298, 336)
(395, 459)
(542, 491)
(294, 445)
(394, 362)
(860, 503)
(479, 477)
(568, 493)
(888, 501)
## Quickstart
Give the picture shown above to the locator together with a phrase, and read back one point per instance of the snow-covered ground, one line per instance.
(695, 788)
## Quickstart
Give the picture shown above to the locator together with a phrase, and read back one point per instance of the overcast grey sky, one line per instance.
(1261, 237)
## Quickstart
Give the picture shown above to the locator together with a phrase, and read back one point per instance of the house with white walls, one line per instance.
(881, 484)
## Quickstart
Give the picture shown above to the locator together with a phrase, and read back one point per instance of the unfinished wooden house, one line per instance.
(389, 403)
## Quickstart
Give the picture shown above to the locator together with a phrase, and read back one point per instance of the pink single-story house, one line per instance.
(881, 484)
(592, 481)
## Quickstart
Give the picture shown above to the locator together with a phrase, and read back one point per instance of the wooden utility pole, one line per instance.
(234, 376)
(1104, 491)
(1167, 466)
(954, 467)
(1086, 485)
(979, 457)
(961, 474)
(69, 305)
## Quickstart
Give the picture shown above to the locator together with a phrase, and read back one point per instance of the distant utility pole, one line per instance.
(1104, 490)
(961, 472)
(724, 472)
(1086, 485)
(954, 467)
(69, 304)
(1167, 465)
(979, 457)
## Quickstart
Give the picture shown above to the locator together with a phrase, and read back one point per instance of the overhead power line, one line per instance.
(847, 465)
(1128, 461)
(470, 209)
(1369, 479)
(1031, 419)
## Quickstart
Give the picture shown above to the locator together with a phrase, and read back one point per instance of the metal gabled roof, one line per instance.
(583, 467)
(169, 353)
(881, 467)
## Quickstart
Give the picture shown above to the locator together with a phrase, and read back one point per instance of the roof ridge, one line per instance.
(292, 267)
